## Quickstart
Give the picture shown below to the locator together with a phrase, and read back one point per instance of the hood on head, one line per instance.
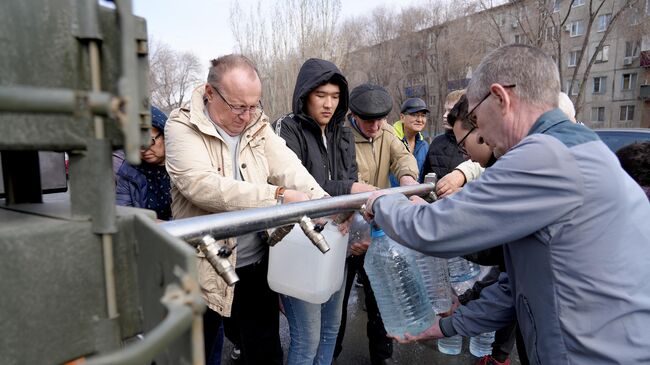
(314, 73)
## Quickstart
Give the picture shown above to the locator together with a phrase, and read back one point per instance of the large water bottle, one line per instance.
(462, 270)
(436, 279)
(397, 283)
(481, 345)
(450, 345)
(462, 274)
(300, 270)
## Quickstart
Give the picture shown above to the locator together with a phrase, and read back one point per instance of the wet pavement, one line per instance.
(355, 344)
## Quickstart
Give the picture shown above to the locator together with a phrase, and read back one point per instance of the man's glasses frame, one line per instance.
(461, 143)
(238, 110)
(471, 117)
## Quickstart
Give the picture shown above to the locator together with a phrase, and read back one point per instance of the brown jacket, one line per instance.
(199, 165)
(377, 157)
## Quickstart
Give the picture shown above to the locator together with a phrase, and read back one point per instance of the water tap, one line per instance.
(431, 178)
(314, 236)
(218, 255)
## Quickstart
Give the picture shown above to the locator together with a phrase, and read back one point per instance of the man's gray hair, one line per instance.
(533, 72)
(226, 63)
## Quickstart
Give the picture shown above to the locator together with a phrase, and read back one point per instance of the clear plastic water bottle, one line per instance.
(450, 345)
(462, 274)
(436, 279)
(481, 345)
(462, 270)
(359, 230)
(398, 286)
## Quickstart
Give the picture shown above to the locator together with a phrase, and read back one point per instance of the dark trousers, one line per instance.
(380, 346)
(504, 341)
(255, 313)
(521, 348)
(213, 337)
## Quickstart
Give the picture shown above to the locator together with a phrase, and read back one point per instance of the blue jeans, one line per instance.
(313, 328)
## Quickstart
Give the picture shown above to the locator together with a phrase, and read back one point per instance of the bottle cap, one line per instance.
(376, 231)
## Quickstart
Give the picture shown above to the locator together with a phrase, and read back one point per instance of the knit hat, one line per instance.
(370, 102)
(158, 119)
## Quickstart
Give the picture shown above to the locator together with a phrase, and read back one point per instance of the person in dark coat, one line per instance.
(635, 160)
(315, 132)
(146, 185)
(443, 155)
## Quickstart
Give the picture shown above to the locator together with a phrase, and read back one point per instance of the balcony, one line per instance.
(415, 91)
(644, 93)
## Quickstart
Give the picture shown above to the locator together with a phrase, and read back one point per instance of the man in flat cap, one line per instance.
(379, 153)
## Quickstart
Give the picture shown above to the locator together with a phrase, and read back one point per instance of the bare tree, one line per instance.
(543, 23)
(296, 31)
(172, 74)
(595, 10)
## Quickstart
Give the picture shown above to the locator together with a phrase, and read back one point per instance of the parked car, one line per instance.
(615, 139)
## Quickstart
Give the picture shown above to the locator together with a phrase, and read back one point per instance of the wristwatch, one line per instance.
(279, 194)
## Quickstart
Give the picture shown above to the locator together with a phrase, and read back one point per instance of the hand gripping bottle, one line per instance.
(398, 286)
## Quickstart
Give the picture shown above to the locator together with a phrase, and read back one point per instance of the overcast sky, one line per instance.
(203, 26)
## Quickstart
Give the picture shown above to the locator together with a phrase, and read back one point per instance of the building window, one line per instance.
(520, 38)
(599, 84)
(431, 40)
(551, 33)
(577, 28)
(627, 113)
(628, 82)
(502, 20)
(598, 114)
(603, 22)
(577, 3)
(575, 89)
(556, 6)
(573, 58)
(632, 48)
(603, 54)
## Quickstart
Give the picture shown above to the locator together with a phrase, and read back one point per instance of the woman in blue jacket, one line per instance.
(146, 185)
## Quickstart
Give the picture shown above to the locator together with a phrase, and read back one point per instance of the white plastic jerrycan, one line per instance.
(298, 269)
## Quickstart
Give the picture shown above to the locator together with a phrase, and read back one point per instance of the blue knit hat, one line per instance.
(158, 119)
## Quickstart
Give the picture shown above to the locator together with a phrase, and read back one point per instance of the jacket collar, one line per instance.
(399, 131)
(361, 138)
(547, 121)
(199, 118)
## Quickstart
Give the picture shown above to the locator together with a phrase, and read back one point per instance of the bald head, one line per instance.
(224, 64)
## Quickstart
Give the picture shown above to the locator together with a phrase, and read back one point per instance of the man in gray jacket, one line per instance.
(575, 224)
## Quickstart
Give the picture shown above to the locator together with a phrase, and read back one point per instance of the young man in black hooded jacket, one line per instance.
(315, 132)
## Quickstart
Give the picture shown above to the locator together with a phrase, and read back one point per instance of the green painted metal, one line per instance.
(56, 295)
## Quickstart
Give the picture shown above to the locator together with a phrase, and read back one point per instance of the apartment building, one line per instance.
(616, 90)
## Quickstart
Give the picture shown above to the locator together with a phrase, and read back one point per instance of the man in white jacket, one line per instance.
(222, 155)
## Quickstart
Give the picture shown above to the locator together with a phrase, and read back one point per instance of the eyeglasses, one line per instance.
(471, 117)
(154, 138)
(461, 143)
(239, 110)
